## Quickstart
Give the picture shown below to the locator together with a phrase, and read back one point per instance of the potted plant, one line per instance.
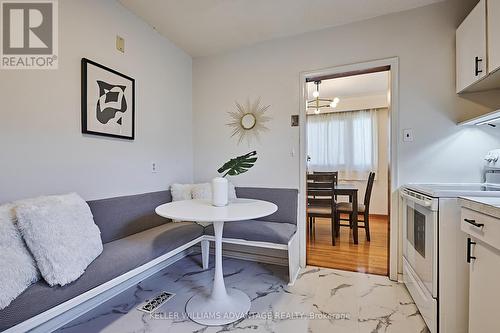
(233, 167)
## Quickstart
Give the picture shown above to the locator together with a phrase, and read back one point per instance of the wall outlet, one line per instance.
(155, 167)
(120, 44)
(408, 135)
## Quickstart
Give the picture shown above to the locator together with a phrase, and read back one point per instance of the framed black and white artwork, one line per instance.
(108, 101)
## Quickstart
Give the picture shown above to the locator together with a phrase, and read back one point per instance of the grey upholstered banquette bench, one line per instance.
(137, 244)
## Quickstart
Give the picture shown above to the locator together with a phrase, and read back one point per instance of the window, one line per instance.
(346, 142)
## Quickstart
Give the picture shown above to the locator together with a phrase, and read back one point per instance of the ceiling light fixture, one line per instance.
(320, 103)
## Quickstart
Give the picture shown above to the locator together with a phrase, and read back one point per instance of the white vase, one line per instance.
(219, 192)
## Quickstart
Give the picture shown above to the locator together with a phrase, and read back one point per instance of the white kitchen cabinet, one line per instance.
(493, 35)
(484, 292)
(481, 222)
(471, 48)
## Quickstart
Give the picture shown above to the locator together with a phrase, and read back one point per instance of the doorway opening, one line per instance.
(347, 170)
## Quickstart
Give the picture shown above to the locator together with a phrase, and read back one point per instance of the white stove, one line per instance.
(435, 269)
(447, 190)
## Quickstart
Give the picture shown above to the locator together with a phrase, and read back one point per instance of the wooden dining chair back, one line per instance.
(366, 213)
(334, 173)
(320, 200)
(369, 189)
(364, 209)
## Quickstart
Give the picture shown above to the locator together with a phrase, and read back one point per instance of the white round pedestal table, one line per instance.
(222, 306)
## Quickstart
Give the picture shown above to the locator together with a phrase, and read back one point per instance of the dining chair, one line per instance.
(335, 177)
(321, 200)
(363, 209)
(334, 173)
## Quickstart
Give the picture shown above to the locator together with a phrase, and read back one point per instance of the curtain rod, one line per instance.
(319, 114)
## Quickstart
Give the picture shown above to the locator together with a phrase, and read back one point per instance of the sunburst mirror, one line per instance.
(248, 120)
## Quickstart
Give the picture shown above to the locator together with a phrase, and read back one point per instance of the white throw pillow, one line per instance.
(181, 191)
(61, 234)
(204, 191)
(232, 191)
(17, 267)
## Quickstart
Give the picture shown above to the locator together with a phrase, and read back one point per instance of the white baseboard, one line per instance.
(248, 252)
(256, 257)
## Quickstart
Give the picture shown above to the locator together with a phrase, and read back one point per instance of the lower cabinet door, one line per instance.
(484, 292)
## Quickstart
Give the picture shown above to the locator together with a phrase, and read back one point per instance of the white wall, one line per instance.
(424, 41)
(362, 102)
(43, 150)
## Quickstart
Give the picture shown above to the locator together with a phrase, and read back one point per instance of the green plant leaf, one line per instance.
(238, 165)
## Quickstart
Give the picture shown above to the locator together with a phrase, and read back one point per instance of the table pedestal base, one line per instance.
(222, 306)
(206, 310)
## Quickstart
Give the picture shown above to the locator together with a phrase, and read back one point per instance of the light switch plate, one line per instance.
(408, 135)
(155, 167)
(120, 44)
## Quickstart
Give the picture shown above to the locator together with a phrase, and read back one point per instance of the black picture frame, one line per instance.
(84, 98)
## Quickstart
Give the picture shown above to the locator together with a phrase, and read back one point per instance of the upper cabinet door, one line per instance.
(471, 47)
(493, 35)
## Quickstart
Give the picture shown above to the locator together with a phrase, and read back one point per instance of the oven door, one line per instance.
(420, 228)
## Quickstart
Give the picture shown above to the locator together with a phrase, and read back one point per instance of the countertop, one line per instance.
(485, 205)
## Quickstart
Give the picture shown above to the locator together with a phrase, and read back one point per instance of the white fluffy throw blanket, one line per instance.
(61, 234)
(17, 267)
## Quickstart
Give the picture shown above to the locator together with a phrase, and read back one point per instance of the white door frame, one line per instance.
(393, 164)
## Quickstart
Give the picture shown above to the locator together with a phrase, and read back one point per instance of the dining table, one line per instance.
(351, 191)
(222, 306)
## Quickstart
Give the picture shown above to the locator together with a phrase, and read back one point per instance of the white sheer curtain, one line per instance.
(346, 142)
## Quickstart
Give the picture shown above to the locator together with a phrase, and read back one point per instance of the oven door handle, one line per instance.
(416, 200)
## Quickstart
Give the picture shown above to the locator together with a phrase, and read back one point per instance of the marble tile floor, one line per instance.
(322, 300)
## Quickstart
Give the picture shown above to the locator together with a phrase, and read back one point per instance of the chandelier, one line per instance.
(318, 103)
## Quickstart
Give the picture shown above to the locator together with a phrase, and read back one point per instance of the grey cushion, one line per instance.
(323, 210)
(123, 216)
(256, 230)
(117, 258)
(346, 207)
(285, 199)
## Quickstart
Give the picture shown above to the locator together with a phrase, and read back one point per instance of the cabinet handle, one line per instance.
(469, 243)
(477, 70)
(474, 223)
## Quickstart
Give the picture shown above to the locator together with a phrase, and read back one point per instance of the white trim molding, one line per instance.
(393, 164)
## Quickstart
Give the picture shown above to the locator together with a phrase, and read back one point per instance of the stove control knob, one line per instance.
(491, 158)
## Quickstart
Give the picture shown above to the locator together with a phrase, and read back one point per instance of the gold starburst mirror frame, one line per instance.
(248, 120)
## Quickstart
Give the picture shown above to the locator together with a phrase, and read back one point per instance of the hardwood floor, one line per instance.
(366, 257)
